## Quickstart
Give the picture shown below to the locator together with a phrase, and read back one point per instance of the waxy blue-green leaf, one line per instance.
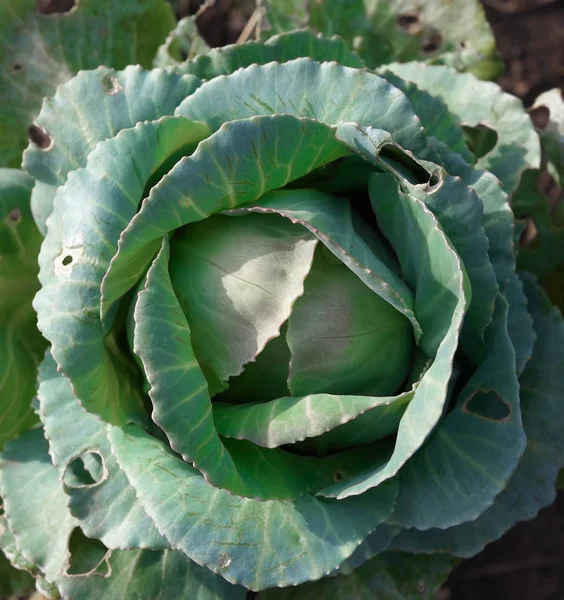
(280, 48)
(41, 51)
(107, 507)
(327, 92)
(235, 166)
(532, 486)
(434, 270)
(519, 323)
(29, 483)
(182, 407)
(382, 31)
(454, 475)
(237, 281)
(391, 575)
(289, 419)
(22, 345)
(461, 221)
(477, 103)
(259, 544)
(438, 121)
(90, 213)
(43, 525)
(497, 218)
(92, 107)
(446, 135)
(151, 575)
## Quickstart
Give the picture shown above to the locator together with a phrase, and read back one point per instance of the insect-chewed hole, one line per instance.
(87, 556)
(540, 116)
(15, 216)
(49, 7)
(86, 470)
(529, 236)
(67, 260)
(404, 165)
(39, 137)
(434, 180)
(224, 561)
(488, 405)
(432, 41)
(409, 21)
(111, 84)
(480, 139)
(17, 67)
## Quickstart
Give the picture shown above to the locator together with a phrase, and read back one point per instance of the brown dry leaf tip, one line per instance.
(39, 137)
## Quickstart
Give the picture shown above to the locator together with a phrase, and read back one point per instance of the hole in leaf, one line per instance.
(488, 405)
(409, 21)
(432, 41)
(434, 180)
(39, 137)
(529, 236)
(49, 7)
(67, 260)
(403, 165)
(540, 116)
(421, 587)
(17, 67)
(224, 561)
(87, 556)
(337, 476)
(15, 216)
(479, 139)
(111, 84)
(86, 470)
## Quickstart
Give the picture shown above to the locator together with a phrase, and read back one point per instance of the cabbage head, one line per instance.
(290, 351)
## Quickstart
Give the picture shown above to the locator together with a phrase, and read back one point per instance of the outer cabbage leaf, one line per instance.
(22, 345)
(79, 567)
(476, 102)
(532, 486)
(41, 51)
(391, 575)
(456, 33)
(132, 273)
(102, 103)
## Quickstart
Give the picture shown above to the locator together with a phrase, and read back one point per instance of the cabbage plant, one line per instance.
(290, 353)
